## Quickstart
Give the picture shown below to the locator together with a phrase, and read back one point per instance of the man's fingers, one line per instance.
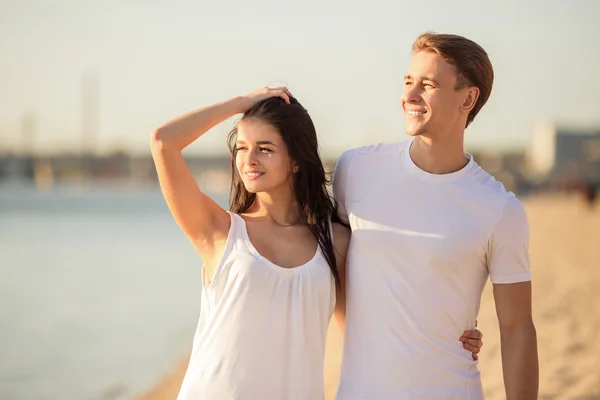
(471, 348)
(475, 334)
(472, 342)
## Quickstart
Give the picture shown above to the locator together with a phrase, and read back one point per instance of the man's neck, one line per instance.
(438, 156)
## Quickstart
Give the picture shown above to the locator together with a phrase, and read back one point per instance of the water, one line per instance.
(99, 293)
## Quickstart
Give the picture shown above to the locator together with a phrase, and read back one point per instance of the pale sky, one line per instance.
(156, 59)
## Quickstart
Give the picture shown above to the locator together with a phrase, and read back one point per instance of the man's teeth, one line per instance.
(416, 112)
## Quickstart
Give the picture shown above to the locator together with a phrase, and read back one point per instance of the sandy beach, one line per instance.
(565, 257)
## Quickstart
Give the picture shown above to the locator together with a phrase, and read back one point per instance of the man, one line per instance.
(428, 228)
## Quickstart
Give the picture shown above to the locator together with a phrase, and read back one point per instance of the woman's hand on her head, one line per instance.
(249, 100)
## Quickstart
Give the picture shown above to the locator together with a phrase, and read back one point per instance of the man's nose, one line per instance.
(412, 94)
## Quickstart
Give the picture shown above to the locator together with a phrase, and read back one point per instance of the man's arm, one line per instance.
(518, 340)
(508, 263)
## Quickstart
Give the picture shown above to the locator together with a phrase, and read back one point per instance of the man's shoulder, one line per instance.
(373, 150)
(490, 191)
(378, 148)
(488, 183)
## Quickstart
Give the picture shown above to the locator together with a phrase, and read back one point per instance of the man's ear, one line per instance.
(472, 94)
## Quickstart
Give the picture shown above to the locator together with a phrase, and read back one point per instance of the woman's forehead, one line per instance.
(253, 130)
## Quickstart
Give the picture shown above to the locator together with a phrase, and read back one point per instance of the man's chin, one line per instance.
(413, 133)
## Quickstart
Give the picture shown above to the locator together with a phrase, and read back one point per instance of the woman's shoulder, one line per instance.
(341, 236)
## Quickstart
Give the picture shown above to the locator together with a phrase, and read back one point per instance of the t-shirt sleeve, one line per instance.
(340, 182)
(508, 253)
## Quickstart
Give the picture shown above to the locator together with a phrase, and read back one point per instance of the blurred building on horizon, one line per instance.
(563, 155)
(559, 158)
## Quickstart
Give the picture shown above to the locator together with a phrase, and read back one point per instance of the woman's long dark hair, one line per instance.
(316, 208)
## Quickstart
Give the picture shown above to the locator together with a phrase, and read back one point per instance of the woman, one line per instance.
(273, 266)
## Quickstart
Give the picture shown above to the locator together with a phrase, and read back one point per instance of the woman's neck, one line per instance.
(282, 209)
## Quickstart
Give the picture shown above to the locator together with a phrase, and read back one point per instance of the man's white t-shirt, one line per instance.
(422, 248)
